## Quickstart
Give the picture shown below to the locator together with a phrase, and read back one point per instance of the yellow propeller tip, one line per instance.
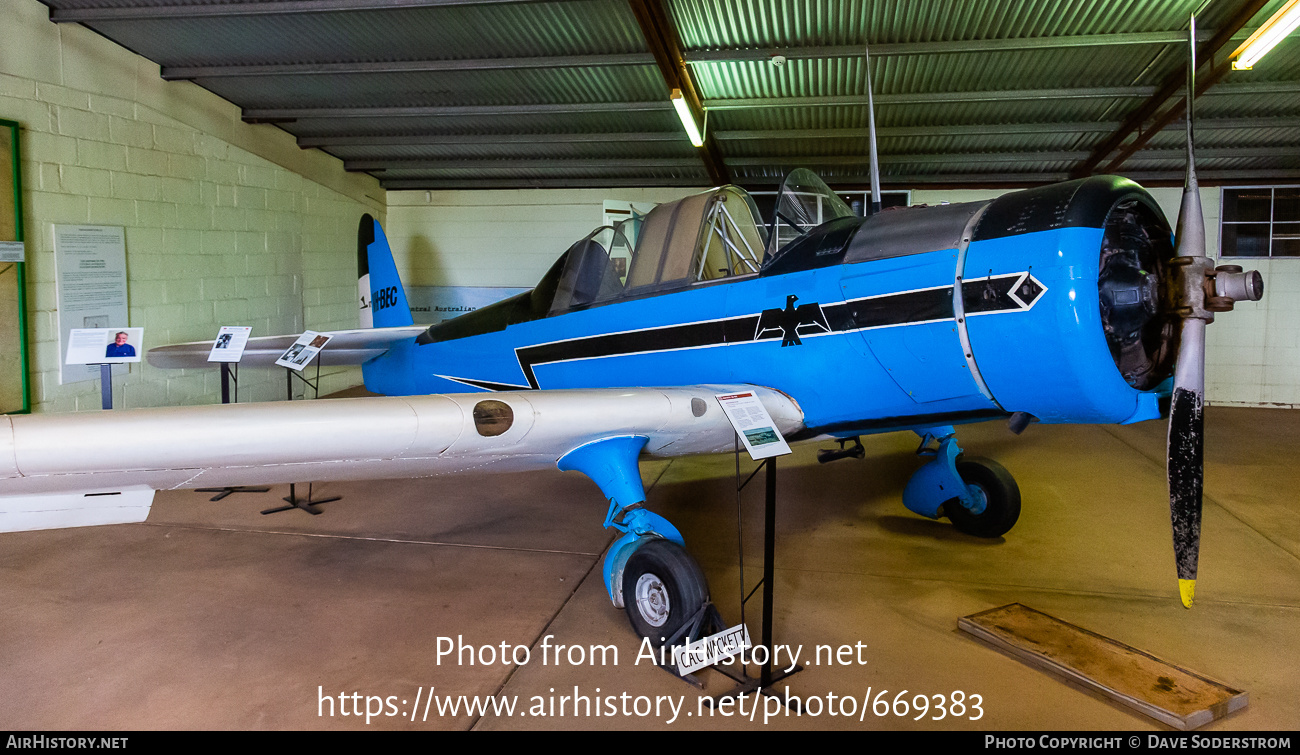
(1187, 591)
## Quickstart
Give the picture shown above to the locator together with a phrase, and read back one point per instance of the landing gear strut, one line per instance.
(979, 496)
(647, 571)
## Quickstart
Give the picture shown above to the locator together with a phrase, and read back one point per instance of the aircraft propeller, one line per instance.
(1199, 291)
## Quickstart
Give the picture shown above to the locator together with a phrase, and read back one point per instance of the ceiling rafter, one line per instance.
(845, 182)
(893, 49)
(698, 57)
(398, 184)
(263, 115)
(661, 37)
(418, 140)
(517, 163)
(946, 158)
(1174, 84)
(991, 129)
(185, 73)
(255, 8)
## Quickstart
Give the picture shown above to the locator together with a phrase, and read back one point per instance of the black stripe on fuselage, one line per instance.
(887, 310)
(692, 335)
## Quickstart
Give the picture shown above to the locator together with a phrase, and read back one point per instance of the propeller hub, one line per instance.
(1231, 282)
(1203, 289)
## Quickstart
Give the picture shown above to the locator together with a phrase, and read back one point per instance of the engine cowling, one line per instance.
(1097, 347)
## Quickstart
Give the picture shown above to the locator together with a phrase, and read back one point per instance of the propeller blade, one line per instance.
(1186, 456)
(1186, 419)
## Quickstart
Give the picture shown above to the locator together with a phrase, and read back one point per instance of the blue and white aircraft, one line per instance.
(1066, 303)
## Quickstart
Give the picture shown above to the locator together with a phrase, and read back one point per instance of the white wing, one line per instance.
(62, 470)
(345, 347)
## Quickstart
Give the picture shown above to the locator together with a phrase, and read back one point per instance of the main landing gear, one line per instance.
(663, 588)
(979, 496)
(648, 572)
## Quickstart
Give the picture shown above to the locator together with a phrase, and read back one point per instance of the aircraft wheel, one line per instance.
(1001, 495)
(663, 587)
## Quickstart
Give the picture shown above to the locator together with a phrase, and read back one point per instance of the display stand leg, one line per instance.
(106, 385)
(293, 501)
(223, 492)
(225, 383)
(306, 504)
(762, 685)
(229, 376)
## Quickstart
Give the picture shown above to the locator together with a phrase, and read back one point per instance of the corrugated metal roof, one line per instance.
(968, 92)
(451, 32)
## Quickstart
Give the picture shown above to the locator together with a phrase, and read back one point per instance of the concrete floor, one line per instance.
(211, 616)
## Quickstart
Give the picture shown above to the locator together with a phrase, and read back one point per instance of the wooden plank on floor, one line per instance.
(1176, 696)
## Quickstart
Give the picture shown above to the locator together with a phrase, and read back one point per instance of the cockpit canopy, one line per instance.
(708, 236)
(711, 236)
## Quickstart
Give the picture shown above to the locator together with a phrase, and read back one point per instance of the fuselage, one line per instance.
(923, 316)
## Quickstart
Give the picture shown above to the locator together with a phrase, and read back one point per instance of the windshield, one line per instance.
(804, 202)
(595, 269)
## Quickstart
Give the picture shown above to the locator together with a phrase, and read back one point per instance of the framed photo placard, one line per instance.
(13, 297)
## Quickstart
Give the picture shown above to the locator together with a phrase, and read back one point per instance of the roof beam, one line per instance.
(1012, 180)
(993, 129)
(398, 184)
(180, 73)
(665, 45)
(886, 49)
(517, 165)
(931, 97)
(959, 158)
(264, 115)
(220, 10)
(185, 73)
(849, 182)
(451, 140)
(923, 98)
(290, 114)
(1174, 83)
(948, 158)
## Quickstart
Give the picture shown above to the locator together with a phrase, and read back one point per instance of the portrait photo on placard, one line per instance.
(105, 345)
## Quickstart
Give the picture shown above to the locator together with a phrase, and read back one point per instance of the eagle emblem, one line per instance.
(791, 322)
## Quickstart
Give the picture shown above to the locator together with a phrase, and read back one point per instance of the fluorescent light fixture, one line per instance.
(1273, 31)
(688, 120)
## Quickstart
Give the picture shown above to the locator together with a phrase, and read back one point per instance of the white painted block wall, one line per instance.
(226, 223)
(495, 238)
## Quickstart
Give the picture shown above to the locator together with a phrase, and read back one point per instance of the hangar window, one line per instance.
(1260, 221)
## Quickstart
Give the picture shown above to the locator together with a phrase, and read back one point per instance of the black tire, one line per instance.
(1001, 491)
(672, 589)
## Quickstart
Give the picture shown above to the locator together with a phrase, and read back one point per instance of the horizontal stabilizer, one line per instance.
(19, 513)
(345, 347)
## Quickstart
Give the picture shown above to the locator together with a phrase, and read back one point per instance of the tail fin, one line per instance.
(383, 301)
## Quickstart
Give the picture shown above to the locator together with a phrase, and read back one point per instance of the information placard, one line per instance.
(753, 424)
(90, 261)
(230, 343)
(104, 345)
(303, 350)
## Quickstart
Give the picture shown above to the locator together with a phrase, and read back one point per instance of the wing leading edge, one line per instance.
(102, 468)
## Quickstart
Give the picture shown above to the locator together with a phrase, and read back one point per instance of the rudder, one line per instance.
(383, 300)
